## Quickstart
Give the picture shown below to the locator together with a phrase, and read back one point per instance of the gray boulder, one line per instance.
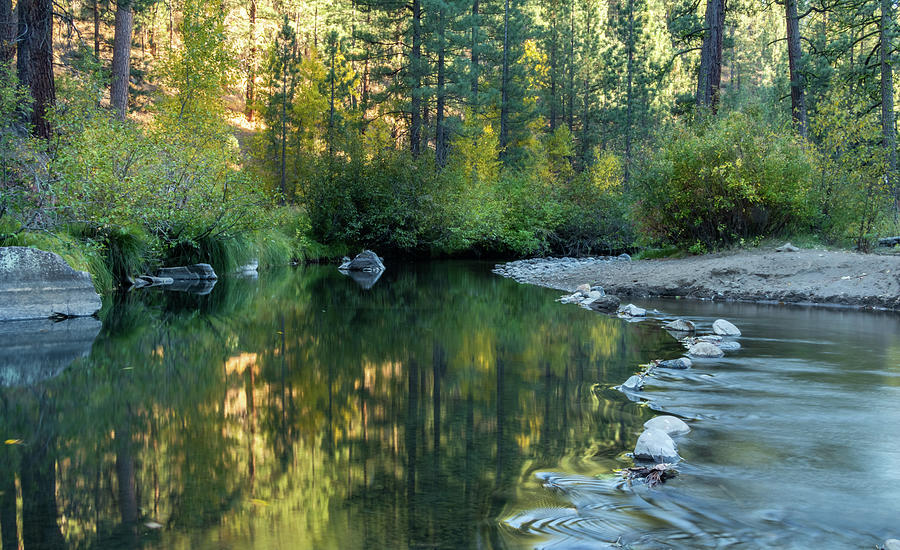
(196, 272)
(366, 261)
(681, 363)
(670, 424)
(680, 325)
(632, 310)
(787, 247)
(584, 289)
(39, 349)
(725, 328)
(142, 281)
(705, 350)
(35, 284)
(604, 304)
(594, 294)
(656, 445)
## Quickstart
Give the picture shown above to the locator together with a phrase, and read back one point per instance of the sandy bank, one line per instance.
(805, 276)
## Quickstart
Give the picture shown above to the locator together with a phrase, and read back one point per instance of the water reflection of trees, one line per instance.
(305, 411)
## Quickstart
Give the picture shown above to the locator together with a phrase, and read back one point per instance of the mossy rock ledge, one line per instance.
(35, 284)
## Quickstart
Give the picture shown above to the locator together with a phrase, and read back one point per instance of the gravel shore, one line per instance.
(806, 276)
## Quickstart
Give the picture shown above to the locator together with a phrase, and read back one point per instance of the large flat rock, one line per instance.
(35, 284)
(39, 349)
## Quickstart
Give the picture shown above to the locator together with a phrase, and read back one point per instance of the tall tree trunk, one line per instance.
(554, 39)
(283, 185)
(121, 62)
(440, 145)
(629, 91)
(415, 67)
(96, 10)
(34, 63)
(889, 139)
(798, 99)
(251, 64)
(504, 84)
(364, 99)
(571, 90)
(7, 32)
(331, 75)
(586, 90)
(474, 52)
(710, 75)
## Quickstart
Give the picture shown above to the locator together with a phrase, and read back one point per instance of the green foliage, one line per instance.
(731, 177)
(853, 193)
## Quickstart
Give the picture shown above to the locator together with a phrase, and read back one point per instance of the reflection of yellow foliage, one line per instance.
(239, 363)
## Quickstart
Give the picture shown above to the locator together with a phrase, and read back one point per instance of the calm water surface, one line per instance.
(448, 408)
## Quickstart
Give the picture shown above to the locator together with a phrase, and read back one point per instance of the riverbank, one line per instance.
(806, 276)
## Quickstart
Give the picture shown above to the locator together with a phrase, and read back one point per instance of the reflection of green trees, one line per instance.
(304, 411)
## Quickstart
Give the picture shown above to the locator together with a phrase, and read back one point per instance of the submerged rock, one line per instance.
(656, 445)
(604, 304)
(634, 383)
(891, 544)
(725, 328)
(35, 284)
(37, 350)
(366, 261)
(705, 350)
(680, 363)
(632, 310)
(670, 424)
(680, 325)
(728, 345)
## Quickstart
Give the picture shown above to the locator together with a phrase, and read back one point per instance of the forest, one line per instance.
(145, 132)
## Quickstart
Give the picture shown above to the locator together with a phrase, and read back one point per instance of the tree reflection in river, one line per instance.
(304, 411)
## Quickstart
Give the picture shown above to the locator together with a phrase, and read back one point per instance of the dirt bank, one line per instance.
(805, 276)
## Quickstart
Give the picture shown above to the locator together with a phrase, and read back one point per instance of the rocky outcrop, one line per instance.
(366, 261)
(604, 304)
(35, 284)
(196, 272)
(36, 350)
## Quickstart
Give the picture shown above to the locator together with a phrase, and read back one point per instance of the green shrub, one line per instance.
(734, 177)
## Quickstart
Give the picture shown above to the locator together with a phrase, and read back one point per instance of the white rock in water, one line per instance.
(891, 544)
(656, 445)
(670, 424)
(680, 363)
(632, 310)
(705, 349)
(634, 383)
(724, 328)
(594, 294)
(680, 325)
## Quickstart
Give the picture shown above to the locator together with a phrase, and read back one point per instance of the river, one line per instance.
(446, 407)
